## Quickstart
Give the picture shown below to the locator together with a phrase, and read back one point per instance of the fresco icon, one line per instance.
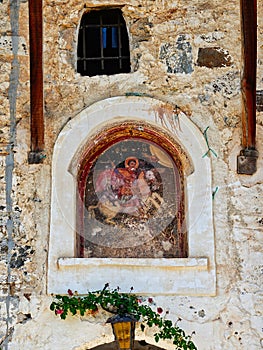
(131, 199)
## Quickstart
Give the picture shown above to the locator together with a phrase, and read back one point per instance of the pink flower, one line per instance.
(159, 310)
(139, 301)
(70, 293)
(59, 312)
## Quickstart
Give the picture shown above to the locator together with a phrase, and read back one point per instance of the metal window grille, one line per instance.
(103, 44)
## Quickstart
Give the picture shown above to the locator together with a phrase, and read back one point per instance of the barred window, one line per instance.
(103, 44)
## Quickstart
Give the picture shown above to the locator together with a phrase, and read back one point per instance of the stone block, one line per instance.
(7, 44)
(259, 101)
(178, 57)
(213, 57)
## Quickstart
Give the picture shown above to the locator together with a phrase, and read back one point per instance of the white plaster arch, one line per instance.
(194, 275)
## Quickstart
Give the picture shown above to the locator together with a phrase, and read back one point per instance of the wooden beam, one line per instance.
(247, 159)
(36, 81)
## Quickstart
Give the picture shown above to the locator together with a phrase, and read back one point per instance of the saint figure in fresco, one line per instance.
(130, 188)
(130, 181)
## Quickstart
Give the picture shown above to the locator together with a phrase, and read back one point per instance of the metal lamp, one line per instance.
(123, 327)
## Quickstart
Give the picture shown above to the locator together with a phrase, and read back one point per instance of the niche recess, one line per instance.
(130, 198)
(97, 144)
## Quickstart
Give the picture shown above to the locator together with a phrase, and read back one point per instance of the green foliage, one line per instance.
(115, 302)
(208, 146)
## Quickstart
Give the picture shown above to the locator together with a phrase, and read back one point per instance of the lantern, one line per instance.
(123, 327)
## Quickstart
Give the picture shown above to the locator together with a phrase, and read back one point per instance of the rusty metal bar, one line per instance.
(246, 161)
(36, 81)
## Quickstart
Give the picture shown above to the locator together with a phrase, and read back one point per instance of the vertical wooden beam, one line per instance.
(36, 81)
(246, 161)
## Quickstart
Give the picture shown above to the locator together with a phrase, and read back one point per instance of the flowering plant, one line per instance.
(115, 302)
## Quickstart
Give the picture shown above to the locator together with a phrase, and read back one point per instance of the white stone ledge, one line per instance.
(174, 263)
(175, 276)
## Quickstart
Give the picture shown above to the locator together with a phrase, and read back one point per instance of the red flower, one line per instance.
(150, 300)
(139, 300)
(59, 312)
(159, 310)
(70, 293)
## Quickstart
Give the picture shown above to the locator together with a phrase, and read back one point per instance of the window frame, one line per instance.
(97, 49)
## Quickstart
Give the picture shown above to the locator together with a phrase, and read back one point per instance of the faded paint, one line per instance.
(208, 97)
(11, 300)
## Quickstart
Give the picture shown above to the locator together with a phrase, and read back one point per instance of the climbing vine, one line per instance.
(115, 302)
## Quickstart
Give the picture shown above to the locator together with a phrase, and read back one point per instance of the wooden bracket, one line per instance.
(36, 81)
(247, 160)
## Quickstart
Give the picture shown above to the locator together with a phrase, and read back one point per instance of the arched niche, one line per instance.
(191, 275)
(147, 199)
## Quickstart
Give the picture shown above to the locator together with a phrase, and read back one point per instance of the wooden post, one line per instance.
(36, 154)
(246, 161)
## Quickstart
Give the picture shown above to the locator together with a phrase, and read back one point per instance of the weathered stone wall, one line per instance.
(183, 52)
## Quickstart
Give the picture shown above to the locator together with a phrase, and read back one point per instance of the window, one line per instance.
(87, 145)
(103, 44)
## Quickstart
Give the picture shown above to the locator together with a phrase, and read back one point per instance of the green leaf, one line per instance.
(65, 299)
(156, 338)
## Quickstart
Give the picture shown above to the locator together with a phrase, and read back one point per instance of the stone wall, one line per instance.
(183, 52)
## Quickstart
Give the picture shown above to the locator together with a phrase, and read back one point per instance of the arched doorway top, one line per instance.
(138, 345)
